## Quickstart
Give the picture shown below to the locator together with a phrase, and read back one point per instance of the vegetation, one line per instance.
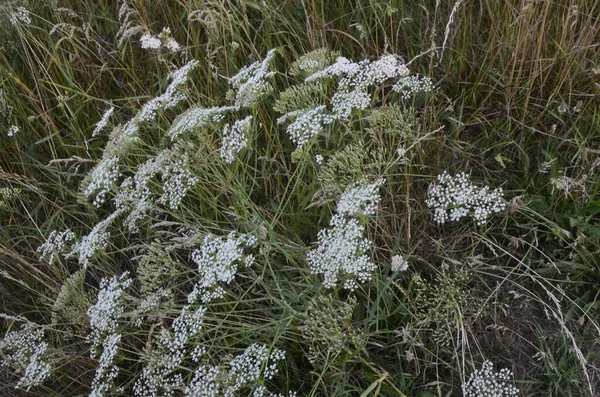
(311, 198)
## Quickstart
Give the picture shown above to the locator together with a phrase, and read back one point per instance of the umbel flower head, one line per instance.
(251, 82)
(26, 350)
(485, 382)
(455, 197)
(342, 248)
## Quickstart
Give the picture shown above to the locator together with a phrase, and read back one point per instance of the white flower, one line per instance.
(341, 251)
(399, 264)
(246, 368)
(413, 84)
(55, 242)
(319, 159)
(104, 317)
(306, 123)
(102, 178)
(160, 375)
(149, 41)
(206, 382)
(103, 121)
(251, 81)
(105, 314)
(485, 382)
(20, 15)
(96, 240)
(352, 92)
(197, 118)
(12, 130)
(360, 198)
(454, 197)
(218, 261)
(235, 138)
(26, 350)
(177, 180)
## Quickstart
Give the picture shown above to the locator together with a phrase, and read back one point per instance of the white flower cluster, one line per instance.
(261, 391)
(103, 121)
(197, 117)
(96, 240)
(361, 198)
(172, 95)
(55, 242)
(252, 82)
(134, 193)
(218, 261)
(247, 367)
(454, 197)
(410, 85)
(341, 249)
(106, 173)
(235, 138)
(485, 382)
(164, 39)
(12, 130)
(399, 264)
(352, 94)
(27, 350)
(306, 123)
(177, 180)
(21, 15)
(159, 377)
(206, 382)
(102, 178)
(104, 317)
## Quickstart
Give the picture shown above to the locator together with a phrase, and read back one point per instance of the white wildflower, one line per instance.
(197, 118)
(352, 92)
(104, 317)
(177, 180)
(149, 41)
(399, 264)
(360, 198)
(21, 15)
(159, 377)
(235, 138)
(102, 178)
(172, 96)
(246, 368)
(27, 351)
(341, 251)
(251, 82)
(485, 382)
(103, 121)
(454, 197)
(96, 240)
(12, 130)
(306, 124)
(55, 242)
(410, 85)
(206, 382)
(218, 261)
(319, 159)
(134, 193)
(105, 314)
